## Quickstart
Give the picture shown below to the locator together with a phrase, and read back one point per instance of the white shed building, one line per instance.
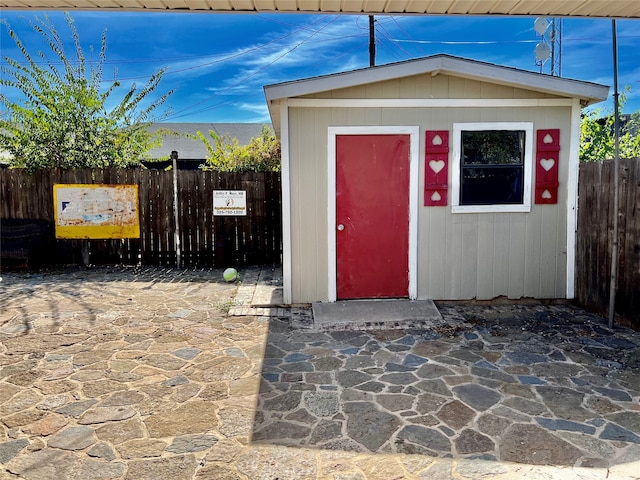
(440, 178)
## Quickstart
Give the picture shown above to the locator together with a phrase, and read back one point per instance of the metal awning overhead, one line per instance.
(555, 8)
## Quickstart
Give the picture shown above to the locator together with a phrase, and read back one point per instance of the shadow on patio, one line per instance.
(532, 384)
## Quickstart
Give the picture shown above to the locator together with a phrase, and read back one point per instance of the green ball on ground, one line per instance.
(230, 274)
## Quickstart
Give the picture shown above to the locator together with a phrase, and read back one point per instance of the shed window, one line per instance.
(491, 167)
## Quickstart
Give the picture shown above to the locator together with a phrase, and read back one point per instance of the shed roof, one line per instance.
(574, 8)
(587, 92)
(188, 147)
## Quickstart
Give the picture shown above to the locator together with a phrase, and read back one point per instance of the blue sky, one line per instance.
(217, 64)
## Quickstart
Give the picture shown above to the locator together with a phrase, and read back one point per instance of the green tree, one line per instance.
(63, 117)
(262, 154)
(597, 139)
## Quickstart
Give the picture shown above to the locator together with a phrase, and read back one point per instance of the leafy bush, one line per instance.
(597, 136)
(262, 154)
(62, 119)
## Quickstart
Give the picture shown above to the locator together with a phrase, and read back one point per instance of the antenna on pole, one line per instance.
(543, 50)
(550, 45)
(372, 41)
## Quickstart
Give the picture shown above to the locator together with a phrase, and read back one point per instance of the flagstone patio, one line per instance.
(151, 373)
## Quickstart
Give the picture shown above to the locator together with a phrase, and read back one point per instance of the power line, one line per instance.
(407, 34)
(457, 42)
(390, 38)
(493, 42)
(244, 79)
(225, 57)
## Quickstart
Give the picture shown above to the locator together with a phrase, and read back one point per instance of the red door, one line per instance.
(372, 216)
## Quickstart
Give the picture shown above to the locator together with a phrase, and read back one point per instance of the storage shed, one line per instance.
(439, 178)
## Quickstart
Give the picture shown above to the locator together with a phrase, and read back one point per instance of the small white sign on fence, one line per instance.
(229, 203)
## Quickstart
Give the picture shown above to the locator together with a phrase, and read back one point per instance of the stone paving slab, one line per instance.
(268, 288)
(141, 373)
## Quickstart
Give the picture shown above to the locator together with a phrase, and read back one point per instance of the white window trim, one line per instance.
(414, 162)
(458, 128)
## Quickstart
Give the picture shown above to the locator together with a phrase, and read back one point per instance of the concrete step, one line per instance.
(377, 314)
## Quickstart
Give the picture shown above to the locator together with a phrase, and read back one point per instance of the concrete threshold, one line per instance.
(376, 314)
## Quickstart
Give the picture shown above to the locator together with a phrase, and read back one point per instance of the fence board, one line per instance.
(206, 241)
(630, 242)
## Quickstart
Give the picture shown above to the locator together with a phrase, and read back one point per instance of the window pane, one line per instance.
(493, 147)
(494, 185)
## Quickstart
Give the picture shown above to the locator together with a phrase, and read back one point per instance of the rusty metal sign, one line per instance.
(96, 211)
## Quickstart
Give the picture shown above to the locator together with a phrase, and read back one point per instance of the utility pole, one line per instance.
(555, 38)
(616, 179)
(553, 46)
(372, 42)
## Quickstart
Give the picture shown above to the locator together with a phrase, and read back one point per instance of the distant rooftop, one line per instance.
(190, 148)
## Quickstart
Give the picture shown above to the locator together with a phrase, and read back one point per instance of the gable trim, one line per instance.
(428, 102)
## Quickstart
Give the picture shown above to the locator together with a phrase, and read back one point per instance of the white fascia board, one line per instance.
(442, 64)
(591, 92)
(352, 78)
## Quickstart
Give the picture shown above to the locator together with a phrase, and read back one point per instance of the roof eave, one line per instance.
(586, 91)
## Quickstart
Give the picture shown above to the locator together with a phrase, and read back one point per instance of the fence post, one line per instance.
(176, 220)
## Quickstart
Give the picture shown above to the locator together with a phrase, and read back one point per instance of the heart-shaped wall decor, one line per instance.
(546, 194)
(436, 165)
(547, 138)
(436, 197)
(547, 163)
(437, 140)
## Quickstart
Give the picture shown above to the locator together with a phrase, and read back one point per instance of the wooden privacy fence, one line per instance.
(206, 240)
(256, 239)
(595, 238)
